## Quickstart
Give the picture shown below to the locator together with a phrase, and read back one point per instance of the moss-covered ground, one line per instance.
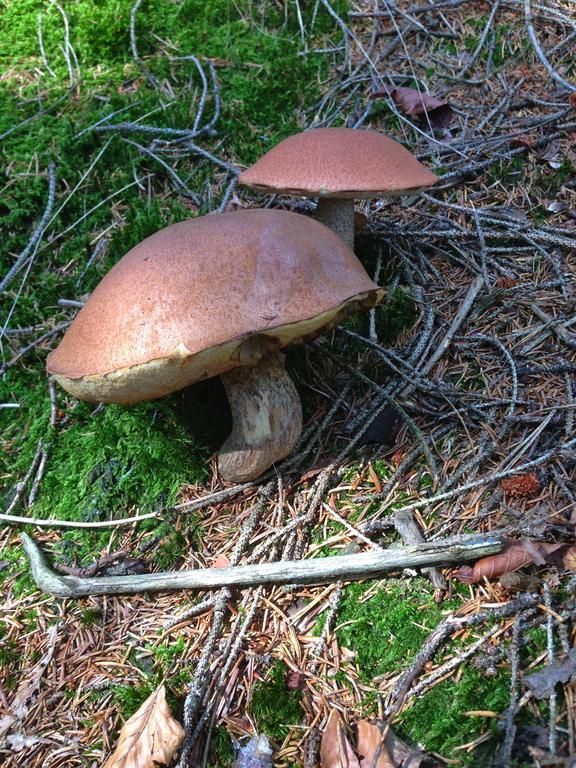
(386, 631)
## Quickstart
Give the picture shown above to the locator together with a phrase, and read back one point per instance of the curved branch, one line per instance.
(314, 571)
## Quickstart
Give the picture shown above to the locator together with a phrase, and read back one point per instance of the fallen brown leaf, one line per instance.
(553, 154)
(524, 140)
(505, 282)
(520, 582)
(335, 748)
(569, 558)
(397, 754)
(148, 738)
(515, 556)
(417, 104)
(371, 747)
(313, 472)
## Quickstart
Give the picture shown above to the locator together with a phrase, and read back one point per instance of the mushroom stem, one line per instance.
(267, 419)
(337, 213)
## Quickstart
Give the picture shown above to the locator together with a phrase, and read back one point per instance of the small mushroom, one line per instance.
(216, 295)
(338, 165)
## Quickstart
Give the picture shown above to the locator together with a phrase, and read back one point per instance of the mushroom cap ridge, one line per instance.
(338, 162)
(181, 304)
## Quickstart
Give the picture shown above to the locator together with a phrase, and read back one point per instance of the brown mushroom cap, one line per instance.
(204, 296)
(338, 162)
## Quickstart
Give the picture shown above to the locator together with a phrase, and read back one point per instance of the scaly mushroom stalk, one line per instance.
(267, 419)
(337, 213)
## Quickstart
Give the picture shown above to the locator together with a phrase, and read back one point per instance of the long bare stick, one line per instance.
(316, 571)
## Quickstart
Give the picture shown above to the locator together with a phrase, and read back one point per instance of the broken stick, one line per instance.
(365, 565)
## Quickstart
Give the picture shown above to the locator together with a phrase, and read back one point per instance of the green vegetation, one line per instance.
(395, 315)
(117, 460)
(91, 617)
(437, 719)
(274, 707)
(386, 631)
(222, 749)
(129, 698)
(160, 664)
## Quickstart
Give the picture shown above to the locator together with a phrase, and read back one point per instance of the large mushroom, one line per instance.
(216, 295)
(338, 165)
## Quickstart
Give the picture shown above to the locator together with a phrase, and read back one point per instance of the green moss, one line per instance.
(15, 559)
(11, 660)
(508, 172)
(167, 653)
(395, 315)
(91, 616)
(275, 708)
(436, 720)
(387, 630)
(24, 585)
(9, 653)
(129, 698)
(119, 460)
(222, 749)
(173, 545)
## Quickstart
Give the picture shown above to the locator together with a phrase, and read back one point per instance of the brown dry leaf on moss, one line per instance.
(335, 748)
(150, 737)
(379, 747)
(371, 747)
(515, 556)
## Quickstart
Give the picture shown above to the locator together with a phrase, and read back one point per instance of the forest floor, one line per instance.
(449, 410)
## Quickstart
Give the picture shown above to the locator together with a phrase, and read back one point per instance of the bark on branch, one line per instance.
(315, 571)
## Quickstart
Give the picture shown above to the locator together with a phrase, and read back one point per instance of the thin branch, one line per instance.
(538, 50)
(38, 232)
(316, 571)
